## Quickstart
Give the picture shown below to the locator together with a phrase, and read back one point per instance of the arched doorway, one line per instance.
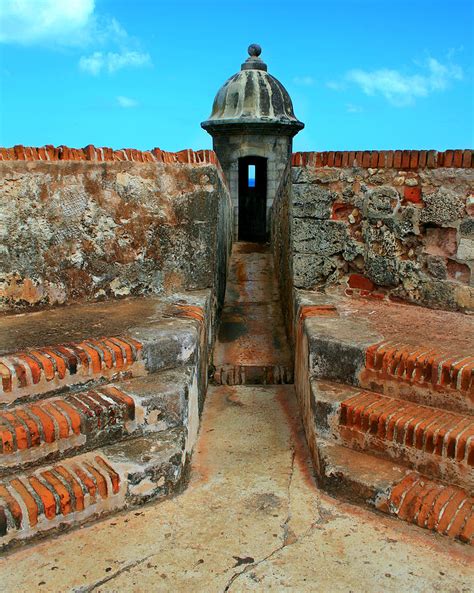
(253, 199)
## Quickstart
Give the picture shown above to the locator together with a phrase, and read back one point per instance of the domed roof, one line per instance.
(252, 96)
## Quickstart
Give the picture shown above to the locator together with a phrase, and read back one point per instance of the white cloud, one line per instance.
(53, 21)
(402, 89)
(304, 80)
(111, 61)
(72, 23)
(126, 102)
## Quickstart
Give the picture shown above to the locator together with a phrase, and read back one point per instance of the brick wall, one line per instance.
(94, 223)
(385, 224)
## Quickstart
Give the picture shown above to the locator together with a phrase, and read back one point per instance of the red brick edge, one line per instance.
(61, 490)
(448, 510)
(54, 419)
(27, 368)
(445, 434)
(422, 365)
(386, 159)
(104, 154)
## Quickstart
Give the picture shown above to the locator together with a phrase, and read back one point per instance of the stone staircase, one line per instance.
(98, 413)
(386, 393)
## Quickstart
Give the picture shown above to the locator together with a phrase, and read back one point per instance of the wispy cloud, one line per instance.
(402, 89)
(304, 80)
(111, 61)
(351, 108)
(126, 102)
(335, 85)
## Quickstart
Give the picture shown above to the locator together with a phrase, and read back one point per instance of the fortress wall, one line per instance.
(391, 224)
(282, 247)
(91, 224)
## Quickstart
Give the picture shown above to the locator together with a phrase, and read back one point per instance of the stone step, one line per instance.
(87, 486)
(76, 422)
(164, 335)
(400, 351)
(392, 489)
(437, 443)
(229, 374)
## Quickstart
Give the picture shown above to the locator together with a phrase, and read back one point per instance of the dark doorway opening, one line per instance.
(253, 199)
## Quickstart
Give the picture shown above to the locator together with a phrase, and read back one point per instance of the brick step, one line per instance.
(423, 374)
(437, 443)
(87, 486)
(76, 422)
(175, 337)
(344, 342)
(392, 489)
(252, 375)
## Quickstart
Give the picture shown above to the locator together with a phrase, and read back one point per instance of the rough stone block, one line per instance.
(312, 201)
(465, 249)
(381, 202)
(321, 237)
(311, 270)
(443, 207)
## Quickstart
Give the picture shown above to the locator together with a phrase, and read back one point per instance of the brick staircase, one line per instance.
(93, 425)
(387, 397)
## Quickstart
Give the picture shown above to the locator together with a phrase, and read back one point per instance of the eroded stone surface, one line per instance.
(87, 231)
(385, 224)
(252, 519)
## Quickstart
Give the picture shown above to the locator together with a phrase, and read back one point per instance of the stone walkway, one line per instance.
(252, 517)
(251, 346)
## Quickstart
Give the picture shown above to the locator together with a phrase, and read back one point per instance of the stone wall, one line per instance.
(282, 246)
(92, 224)
(392, 225)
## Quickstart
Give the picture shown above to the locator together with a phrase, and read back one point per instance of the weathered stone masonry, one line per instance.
(90, 224)
(100, 401)
(389, 224)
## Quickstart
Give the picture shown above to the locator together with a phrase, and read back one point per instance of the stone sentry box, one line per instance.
(252, 116)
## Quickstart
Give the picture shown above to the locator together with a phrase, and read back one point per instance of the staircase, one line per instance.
(386, 393)
(99, 412)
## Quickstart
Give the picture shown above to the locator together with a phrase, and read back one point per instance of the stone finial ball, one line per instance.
(254, 50)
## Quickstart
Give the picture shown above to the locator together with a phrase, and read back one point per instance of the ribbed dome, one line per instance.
(252, 96)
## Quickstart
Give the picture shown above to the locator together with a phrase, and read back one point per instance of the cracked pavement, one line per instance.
(251, 519)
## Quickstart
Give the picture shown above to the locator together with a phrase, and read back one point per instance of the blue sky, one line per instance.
(363, 74)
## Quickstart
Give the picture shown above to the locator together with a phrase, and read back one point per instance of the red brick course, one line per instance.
(386, 159)
(430, 430)
(92, 153)
(448, 510)
(63, 489)
(27, 368)
(422, 365)
(57, 418)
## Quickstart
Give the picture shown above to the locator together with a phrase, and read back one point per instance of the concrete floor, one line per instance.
(251, 519)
